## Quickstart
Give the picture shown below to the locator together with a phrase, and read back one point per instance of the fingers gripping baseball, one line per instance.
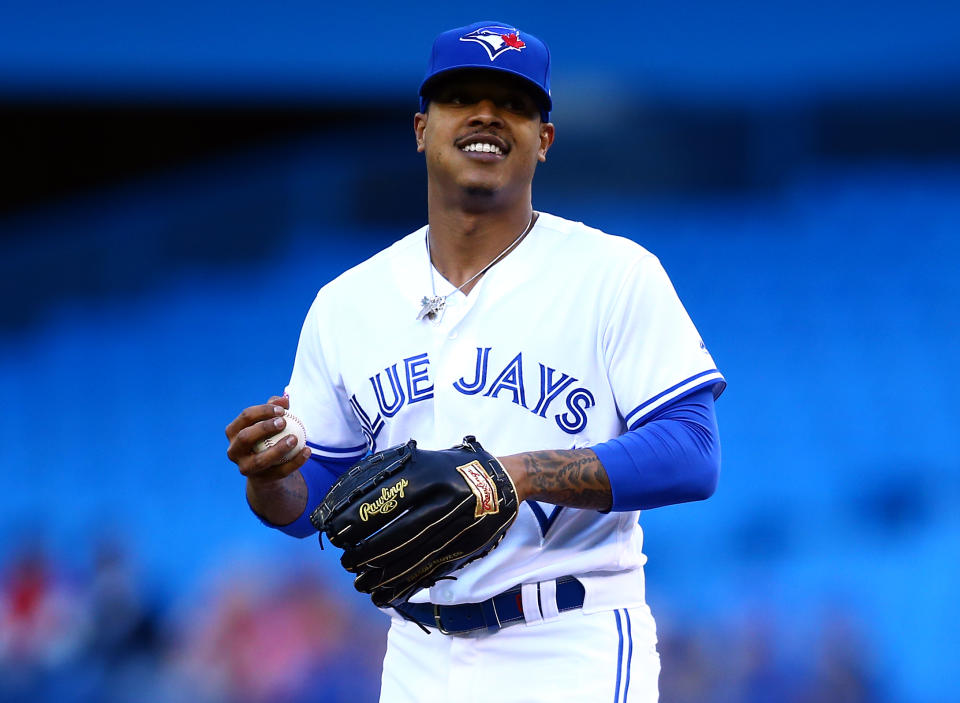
(406, 517)
(263, 441)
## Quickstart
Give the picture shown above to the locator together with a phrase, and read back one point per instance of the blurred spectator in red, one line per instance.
(41, 622)
(293, 641)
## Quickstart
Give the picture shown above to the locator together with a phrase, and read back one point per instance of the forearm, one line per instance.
(571, 477)
(673, 458)
(279, 502)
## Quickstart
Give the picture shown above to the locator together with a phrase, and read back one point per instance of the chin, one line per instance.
(481, 198)
(480, 185)
(480, 191)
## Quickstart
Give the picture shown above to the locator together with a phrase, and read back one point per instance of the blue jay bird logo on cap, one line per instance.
(496, 40)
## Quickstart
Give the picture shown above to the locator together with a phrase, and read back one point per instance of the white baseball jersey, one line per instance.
(570, 340)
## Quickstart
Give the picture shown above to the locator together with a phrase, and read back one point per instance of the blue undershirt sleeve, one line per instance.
(674, 457)
(319, 475)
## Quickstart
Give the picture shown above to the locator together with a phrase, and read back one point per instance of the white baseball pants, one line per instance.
(606, 656)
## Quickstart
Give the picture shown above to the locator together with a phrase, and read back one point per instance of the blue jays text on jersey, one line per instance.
(570, 340)
(408, 381)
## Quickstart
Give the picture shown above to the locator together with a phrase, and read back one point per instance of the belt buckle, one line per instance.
(436, 619)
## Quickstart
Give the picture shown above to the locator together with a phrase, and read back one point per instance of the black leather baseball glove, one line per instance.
(407, 517)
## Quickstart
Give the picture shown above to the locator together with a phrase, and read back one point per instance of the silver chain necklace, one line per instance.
(434, 305)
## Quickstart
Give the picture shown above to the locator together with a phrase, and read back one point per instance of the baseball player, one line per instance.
(564, 350)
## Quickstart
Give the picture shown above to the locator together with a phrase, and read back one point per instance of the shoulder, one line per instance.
(590, 247)
(377, 272)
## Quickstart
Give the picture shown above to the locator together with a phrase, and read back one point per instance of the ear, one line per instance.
(419, 126)
(547, 134)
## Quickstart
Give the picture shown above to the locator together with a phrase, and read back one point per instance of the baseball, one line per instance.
(293, 427)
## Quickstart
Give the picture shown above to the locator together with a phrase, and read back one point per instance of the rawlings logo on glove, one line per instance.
(457, 505)
(386, 502)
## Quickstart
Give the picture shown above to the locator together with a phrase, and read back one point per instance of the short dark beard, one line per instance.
(480, 192)
(478, 200)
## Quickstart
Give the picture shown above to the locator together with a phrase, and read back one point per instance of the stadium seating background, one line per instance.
(803, 193)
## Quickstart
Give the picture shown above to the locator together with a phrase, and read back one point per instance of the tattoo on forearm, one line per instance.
(295, 493)
(575, 478)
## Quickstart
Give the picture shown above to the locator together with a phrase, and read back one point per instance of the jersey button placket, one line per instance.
(453, 315)
(452, 357)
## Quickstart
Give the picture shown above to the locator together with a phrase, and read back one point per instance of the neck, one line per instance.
(463, 243)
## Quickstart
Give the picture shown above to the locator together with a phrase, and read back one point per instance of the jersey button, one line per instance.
(453, 335)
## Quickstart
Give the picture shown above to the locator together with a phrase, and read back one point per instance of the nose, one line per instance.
(486, 112)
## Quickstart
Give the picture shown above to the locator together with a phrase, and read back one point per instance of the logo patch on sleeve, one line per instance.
(483, 488)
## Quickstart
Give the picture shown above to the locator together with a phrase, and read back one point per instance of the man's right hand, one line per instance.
(254, 424)
(275, 488)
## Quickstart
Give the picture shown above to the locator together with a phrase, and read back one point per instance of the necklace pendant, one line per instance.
(432, 307)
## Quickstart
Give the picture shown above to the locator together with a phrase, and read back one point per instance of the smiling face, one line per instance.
(482, 136)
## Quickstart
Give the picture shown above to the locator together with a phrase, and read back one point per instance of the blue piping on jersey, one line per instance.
(643, 419)
(545, 522)
(616, 691)
(360, 449)
(626, 688)
(630, 421)
(620, 675)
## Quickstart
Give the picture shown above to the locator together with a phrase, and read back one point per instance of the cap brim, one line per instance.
(543, 99)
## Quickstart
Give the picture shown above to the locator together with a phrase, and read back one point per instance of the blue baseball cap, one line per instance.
(493, 46)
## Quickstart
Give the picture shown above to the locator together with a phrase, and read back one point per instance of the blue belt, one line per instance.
(491, 614)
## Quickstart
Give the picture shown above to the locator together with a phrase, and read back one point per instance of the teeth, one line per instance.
(483, 147)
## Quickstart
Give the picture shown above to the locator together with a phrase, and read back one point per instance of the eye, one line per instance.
(454, 97)
(517, 102)
(449, 95)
